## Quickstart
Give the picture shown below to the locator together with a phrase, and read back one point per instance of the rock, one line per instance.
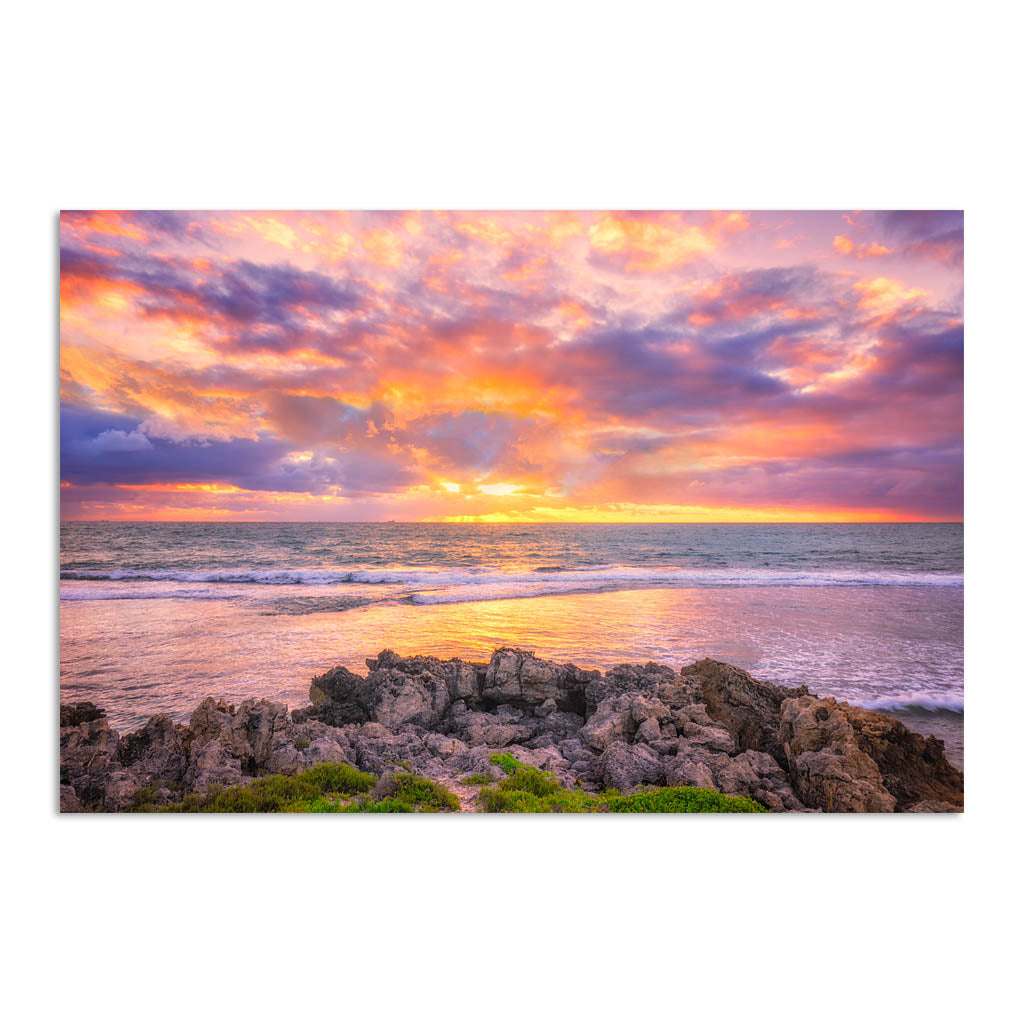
(611, 722)
(400, 699)
(641, 680)
(120, 788)
(302, 746)
(649, 731)
(77, 714)
(69, 802)
(463, 679)
(228, 744)
(828, 768)
(931, 807)
(914, 768)
(479, 729)
(247, 732)
(747, 707)
(709, 736)
(693, 766)
(624, 766)
(340, 697)
(555, 727)
(518, 677)
(156, 751)
(736, 776)
(88, 759)
(212, 765)
(444, 746)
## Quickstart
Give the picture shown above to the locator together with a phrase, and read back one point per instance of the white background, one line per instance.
(307, 105)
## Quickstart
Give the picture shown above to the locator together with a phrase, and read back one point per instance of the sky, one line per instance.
(731, 366)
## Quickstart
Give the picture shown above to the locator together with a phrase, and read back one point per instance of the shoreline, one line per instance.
(643, 730)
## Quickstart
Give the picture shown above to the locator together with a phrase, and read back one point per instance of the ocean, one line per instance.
(156, 616)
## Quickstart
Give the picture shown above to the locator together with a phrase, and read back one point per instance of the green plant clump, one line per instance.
(331, 788)
(272, 793)
(682, 800)
(530, 791)
(405, 793)
(507, 763)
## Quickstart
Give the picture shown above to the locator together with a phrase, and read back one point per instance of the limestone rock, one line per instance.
(611, 722)
(625, 766)
(747, 707)
(828, 768)
(914, 767)
(76, 714)
(156, 751)
(518, 677)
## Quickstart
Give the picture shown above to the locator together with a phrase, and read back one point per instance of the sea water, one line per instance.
(157, 616)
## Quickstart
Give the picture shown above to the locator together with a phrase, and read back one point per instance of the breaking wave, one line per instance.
(448, 585)
(917, 701)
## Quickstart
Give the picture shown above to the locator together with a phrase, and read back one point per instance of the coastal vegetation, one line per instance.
(339, 788)
(532, 791)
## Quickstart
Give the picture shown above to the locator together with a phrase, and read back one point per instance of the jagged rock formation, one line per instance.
(709, 724)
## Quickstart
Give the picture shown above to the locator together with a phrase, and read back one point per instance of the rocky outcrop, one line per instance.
(748, 708)
(828, 768)
(710, 724)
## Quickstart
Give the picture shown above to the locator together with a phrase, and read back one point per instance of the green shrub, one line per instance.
(302, 743)
(476, 780)
(279, 793)
(325, 805)
(682, 800)
(386, 805)
(423, 793)
(142, 799)
(405, 794)
(338, 777)
(531, 780)
(529, 791)
(505, 801)
(506, 762)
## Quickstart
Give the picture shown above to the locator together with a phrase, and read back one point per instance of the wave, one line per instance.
(451, 584)
(126, 594)
(917, 701)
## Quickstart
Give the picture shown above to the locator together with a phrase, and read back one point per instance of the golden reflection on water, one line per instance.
(593, 630)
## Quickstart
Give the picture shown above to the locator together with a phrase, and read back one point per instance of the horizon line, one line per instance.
(538, 522)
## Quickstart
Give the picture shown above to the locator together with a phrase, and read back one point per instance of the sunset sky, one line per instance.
(580, 366)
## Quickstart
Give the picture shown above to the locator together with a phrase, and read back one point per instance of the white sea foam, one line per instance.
(140, 594)
(917, 700)
(453, 585)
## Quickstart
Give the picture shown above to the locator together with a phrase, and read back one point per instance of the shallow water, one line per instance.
(155, 617)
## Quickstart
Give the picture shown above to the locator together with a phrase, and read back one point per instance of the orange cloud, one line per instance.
(885, 293)
(845, 245)
(652, 245)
